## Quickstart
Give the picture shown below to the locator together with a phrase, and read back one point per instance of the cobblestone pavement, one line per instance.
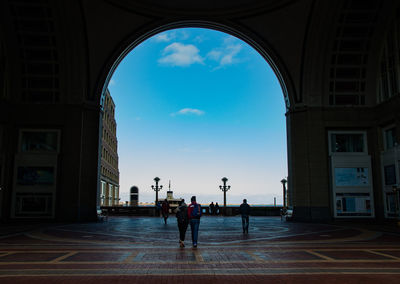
(144, 250)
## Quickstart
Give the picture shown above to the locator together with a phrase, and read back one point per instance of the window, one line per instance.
(39, 141)
(350, 177)
(35, 176)
(347, 143)
(390, 138)
(353, 204)
(390, 174)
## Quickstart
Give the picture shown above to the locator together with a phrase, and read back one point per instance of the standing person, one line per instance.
(158, 208)
(245, 212)
(165, 210)
(183, 221)
(216, 208)
(211, 209)
(194, 214)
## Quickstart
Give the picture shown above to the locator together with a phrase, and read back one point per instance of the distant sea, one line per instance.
(230, 205)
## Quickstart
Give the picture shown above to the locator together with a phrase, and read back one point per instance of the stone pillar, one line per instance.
(308, 182)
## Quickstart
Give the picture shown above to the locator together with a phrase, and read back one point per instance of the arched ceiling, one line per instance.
(325, 51)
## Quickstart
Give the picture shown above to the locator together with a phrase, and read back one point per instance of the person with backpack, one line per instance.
(194, 215)
(183, 221)
(165, 210)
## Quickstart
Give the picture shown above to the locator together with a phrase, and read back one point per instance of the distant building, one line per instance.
(109, 173)
(134, 196)
(173, 202)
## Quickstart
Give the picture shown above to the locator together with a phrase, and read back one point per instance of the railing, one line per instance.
(154, 211)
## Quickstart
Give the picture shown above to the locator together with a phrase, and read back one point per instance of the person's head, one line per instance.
(193, 199)
(165, 200)
(244, 200)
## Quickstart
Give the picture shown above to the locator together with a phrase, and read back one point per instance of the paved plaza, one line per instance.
(144, 250)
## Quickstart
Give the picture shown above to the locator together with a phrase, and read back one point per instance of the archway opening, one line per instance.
(193, 105)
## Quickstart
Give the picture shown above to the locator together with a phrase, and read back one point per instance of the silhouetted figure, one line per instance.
(158, 208)
(194, 215)
(245, 211)
(165, 210)
(211, 209)
(183, 221)
(216, 208)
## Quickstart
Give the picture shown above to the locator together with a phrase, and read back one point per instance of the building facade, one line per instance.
(109, 173)
(338, 63)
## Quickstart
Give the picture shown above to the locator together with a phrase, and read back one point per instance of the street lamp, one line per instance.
(224, 188)
(284, 181)
(156, 188)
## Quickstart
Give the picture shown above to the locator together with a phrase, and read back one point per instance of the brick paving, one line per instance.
(144, 250)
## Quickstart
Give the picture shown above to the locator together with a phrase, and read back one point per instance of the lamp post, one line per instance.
(156, 188)
(284, 181)
(224, 188)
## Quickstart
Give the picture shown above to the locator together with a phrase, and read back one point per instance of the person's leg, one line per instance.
(182, 231)
(180, 226)
(244, 223)
(196, 231)
(247, 224)
(192, 229)
(184, 228)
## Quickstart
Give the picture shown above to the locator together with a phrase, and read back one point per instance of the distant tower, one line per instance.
(134, 196)
(169, 192)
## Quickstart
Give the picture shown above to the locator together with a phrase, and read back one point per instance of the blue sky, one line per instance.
(192, 106)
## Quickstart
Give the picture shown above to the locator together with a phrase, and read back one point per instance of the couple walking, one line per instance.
(188, 214)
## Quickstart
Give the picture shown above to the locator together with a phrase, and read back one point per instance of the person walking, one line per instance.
(183, 221)
(245, 211)
(211, 208)
(165, 210)
(194, 215)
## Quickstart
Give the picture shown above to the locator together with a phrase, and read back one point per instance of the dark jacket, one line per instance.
(165, 207)
(245, 209)
(182, 215)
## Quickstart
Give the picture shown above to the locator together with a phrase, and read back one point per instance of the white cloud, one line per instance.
(171, 35)
(188, 111)
(112, 82)
(163, 37)
(199, 38)
(227, 53)
(215, 54)
(178, 54)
